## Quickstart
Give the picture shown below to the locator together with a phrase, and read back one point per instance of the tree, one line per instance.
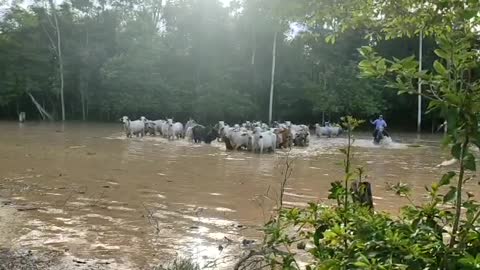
(58, 47)
(159, 58)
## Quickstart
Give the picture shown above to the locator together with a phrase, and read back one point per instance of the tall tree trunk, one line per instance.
(59, 56)
(82, 100)
(253, 69)
(86, 107)
(84, 79)
(274, 53)
(254, 45)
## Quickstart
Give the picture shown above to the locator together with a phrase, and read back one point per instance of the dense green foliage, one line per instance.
(185, 58)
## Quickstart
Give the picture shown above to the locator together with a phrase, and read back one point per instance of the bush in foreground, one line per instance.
(350, 235)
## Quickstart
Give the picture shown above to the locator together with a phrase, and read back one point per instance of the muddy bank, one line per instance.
(15, 255)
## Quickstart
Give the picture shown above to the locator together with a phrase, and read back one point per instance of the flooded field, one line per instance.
(116, 203)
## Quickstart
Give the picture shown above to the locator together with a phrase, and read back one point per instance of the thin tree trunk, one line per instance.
(86, 106)
(458, 201)
(274, 53)
(82, 99)
(59, 55)
(254, 45)
(252, 64)
(419, 111)
(84, 79)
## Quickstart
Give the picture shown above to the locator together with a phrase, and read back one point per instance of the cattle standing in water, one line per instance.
(158, 126)
(203, 134)
(136, 127)
(164, 128)
(220, 127)
(190, 123)
(235, 138)
(150, 128)
(284, 137)
(300, 135)
(189, 129)
(189, 133)
(301, 139)
(265, 140)
(175, 130)
(327, 130)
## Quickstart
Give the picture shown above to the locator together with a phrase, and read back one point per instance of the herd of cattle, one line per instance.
(252, 136)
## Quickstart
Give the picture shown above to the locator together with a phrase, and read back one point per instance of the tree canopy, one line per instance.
(193, 58)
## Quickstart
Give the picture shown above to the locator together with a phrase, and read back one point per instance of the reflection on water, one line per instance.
(136, 202)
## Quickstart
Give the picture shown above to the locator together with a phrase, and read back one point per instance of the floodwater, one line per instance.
(87, 191)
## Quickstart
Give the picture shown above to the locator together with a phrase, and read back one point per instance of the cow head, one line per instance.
(124, 119)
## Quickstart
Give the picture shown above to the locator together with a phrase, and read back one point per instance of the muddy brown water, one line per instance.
(87, 191)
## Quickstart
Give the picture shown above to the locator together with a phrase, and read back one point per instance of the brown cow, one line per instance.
(284, 137)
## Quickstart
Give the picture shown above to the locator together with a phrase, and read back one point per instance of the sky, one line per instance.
(9, 2)
(225, 2)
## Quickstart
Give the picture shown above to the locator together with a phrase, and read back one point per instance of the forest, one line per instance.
(205, 59)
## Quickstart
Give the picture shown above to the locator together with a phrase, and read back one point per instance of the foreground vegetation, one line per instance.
(350, 235)
(444, 231)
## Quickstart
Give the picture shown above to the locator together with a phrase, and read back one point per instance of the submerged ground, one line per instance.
(97, 200)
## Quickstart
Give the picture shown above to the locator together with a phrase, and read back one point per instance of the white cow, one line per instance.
(236, 138)
(175, 130)
(150, 127)
(328, 131)
(263, 140)
(190, 123)
(223, 129)
(158, 126)
(136, 127)
(189, 133)
(164, 128)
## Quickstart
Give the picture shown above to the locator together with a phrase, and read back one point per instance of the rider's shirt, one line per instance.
(380, 124)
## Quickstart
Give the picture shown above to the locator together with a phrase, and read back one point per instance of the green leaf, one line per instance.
(439, 68)
(469, 162)
(446, 178)
(365, 51)
(450, 195)
(330, 39)
(362, 265)
(381, 67)
(453, 99)
(409, 63)
(441, 53)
